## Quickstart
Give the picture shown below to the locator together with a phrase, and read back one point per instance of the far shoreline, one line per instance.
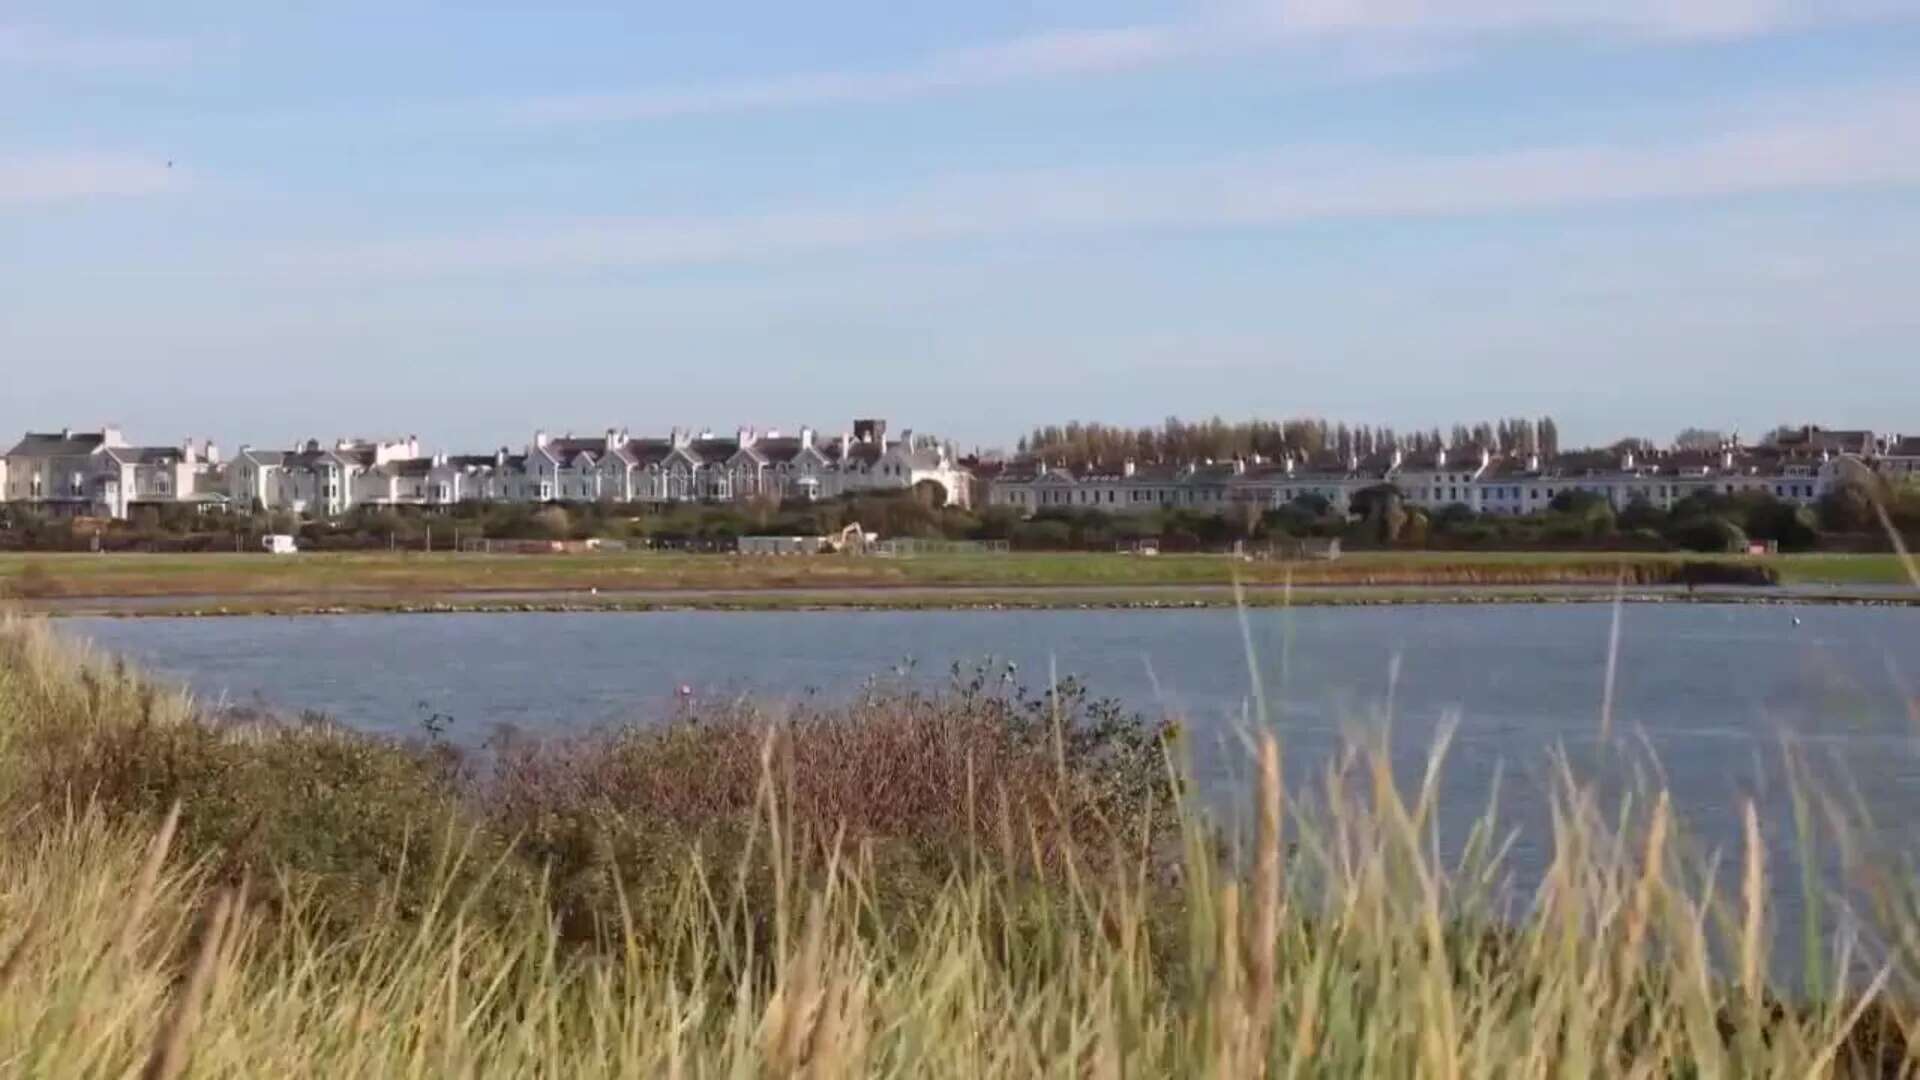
(216, 585)
(940, 600)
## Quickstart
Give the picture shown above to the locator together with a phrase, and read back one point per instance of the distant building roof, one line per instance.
(570, 450)
(1587, 461)
(714, 449)
(1815, 439)
(58, 444)
(472, 461)
(145, 455)
(780, 450)
(411, 466)
(1512, 467)
(648, 451)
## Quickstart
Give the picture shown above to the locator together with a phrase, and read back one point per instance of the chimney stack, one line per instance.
(806, 436)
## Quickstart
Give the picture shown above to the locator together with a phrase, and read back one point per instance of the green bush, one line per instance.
(1710, 534)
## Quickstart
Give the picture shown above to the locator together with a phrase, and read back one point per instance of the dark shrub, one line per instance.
(1710, 534)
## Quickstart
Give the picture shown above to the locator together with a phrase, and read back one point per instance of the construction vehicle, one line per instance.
(852, 540)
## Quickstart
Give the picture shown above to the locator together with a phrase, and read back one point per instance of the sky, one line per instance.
(469, 221)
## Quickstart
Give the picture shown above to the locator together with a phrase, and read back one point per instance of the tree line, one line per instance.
(1080, 444)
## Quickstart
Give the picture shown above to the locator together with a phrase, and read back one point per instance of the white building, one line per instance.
(1444, 477)
(56, 471)
(1205, 487)
(1900, 457)
(315, 479)
(611, 467)
(99, 474)
(1473, 477)
(458, 478)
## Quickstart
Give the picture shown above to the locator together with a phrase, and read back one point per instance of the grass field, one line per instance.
(319, 576)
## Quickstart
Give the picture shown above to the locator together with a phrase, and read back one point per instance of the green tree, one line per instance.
(1794, 528)
(1641, 514)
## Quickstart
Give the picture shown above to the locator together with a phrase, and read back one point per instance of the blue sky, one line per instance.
(467, 221)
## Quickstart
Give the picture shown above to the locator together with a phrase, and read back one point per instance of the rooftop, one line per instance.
(58, 444)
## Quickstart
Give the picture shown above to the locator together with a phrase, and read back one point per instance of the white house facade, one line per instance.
(1473, 477)
(99, 474)
(613, 467)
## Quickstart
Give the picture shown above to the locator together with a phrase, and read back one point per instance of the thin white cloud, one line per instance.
(1877, 144)
(1317, 38)
(66, 177)
(42, 49)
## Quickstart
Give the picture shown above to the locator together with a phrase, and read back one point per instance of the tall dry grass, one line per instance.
(1331, 939)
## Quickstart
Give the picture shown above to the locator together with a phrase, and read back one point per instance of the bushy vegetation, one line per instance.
(1381, 517)
(208, 907)
(926, 782)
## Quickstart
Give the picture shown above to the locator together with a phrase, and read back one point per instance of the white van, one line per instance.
(279, 544)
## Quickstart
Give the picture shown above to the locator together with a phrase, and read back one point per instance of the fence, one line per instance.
(908, 547)
(542, 547)
(1326, 550)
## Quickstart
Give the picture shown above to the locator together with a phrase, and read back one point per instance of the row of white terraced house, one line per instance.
(101, 474)
(613, 467)
(1471, 476)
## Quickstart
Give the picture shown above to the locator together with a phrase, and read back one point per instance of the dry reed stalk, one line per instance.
(1267, 886)
(169, 1055)
(148, 882)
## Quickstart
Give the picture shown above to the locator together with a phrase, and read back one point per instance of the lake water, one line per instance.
(1711, 690)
